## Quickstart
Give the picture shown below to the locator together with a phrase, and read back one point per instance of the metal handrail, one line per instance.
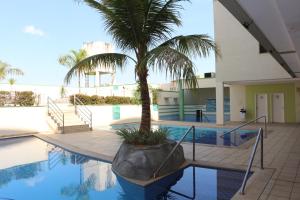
(260, 137)
(57, 113)
(52, 103)
(83, 112)
(247, 123)
(174, 148)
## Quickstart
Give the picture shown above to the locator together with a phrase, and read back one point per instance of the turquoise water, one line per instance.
(203, 135)
(31, 169)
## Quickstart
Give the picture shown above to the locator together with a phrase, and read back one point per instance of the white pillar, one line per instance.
(220, 103)
(113, 77)
(97, 80)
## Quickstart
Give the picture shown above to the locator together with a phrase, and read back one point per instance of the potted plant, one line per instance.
(144, 28)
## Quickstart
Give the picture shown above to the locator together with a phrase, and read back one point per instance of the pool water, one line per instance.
(213, 136)
(31, 169)
(207, 118)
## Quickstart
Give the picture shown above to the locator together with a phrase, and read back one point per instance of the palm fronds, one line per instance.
(105, 60)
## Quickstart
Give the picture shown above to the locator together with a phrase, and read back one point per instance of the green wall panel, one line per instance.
(116, 112)
(289, 99)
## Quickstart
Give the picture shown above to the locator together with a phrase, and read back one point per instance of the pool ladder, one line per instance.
(259, 138)
(192, 128)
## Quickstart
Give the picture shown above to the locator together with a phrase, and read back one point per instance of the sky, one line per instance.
(35, 33)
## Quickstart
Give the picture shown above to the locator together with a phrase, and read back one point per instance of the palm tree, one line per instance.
(144, 28)
(72, 59)
(6, 69)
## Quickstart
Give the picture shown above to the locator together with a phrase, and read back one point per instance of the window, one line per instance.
(262, 49)
(175, 101)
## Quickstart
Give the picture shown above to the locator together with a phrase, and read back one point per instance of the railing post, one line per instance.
(91, 121)
(48, 105)
(194, 143)
(262, 150)
(63, 127)
(266, 126)
(259, 137)
(75, 104)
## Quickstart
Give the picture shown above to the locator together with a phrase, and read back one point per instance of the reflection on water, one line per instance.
(213, 136)
(35, 170)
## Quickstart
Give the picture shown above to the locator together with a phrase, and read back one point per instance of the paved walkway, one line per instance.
(279, 180)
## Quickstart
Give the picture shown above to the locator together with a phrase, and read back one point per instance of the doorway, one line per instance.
(261, 106)
(278, 107)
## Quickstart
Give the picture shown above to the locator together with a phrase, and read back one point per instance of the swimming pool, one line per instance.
(211, 136)
(31, 169)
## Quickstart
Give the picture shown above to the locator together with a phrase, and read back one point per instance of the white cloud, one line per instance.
(33, 30)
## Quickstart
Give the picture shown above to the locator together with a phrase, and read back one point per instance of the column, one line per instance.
(220, 103)
(113, 76)
(86, 76)
(181, 100)
(98, 80)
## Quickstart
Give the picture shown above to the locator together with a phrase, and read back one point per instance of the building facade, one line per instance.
(258, 82)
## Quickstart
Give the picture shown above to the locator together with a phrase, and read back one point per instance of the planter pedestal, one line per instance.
(140, 162)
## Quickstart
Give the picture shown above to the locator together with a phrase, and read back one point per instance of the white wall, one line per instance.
(168, 98)
(240, 51)
(103, 115)
(237, 101)
(23, 119)
(202, 83)
(34, 119)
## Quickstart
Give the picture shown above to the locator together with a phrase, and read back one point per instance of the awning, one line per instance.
(275, 24)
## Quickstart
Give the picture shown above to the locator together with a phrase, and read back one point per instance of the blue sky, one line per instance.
(35, 33)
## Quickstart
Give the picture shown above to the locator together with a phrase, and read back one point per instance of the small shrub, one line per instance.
(4, 96)
(26, 98)
(135, 137)
(117, 100)
(98, 100)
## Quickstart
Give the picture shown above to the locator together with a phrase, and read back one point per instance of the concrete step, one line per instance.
(74, 128)
(72, 123)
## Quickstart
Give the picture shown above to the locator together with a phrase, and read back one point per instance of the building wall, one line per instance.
(202, 83)
(237, 101)
(289, 99)
(297, 94)
(34, 119)
(200, 96)
(240, 58)
(98, 47)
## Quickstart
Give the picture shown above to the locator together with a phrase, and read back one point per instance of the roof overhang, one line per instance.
(263, 82)
(276, 26)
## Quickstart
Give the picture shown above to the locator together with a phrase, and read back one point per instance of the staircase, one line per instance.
(64, 118)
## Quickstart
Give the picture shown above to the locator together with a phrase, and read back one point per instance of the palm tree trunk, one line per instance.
(79, 81)
(145, 99)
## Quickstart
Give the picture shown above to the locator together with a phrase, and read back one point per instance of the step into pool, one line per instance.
(211, 136)
(31, 169)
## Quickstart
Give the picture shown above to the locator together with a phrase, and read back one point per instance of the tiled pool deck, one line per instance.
(279, 180)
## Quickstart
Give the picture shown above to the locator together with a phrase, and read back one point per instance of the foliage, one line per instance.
(98, 100)
(72, 59)
(145, 28)
(154, 92)
(62, 92)
(6, 69)
(135, 137)
(80, 191)
(26, 98)
(117, 100)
